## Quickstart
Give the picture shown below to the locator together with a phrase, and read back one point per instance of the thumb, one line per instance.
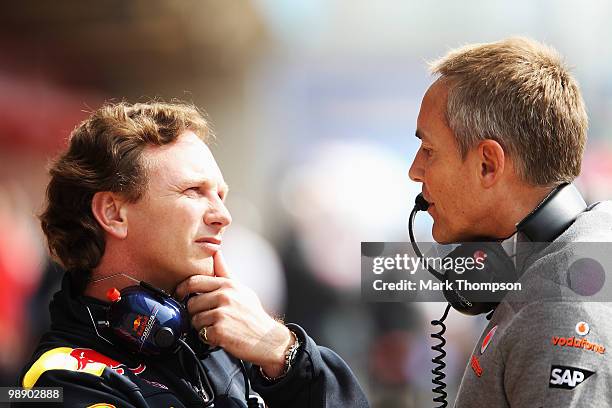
(219, 266)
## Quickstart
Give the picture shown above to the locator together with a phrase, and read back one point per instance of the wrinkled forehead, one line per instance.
(186, 159)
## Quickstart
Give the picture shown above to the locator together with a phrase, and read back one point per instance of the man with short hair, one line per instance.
(503, 130)
(138, 197)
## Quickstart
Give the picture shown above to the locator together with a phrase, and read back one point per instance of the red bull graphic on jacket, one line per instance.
(88, 356)
(77, 359)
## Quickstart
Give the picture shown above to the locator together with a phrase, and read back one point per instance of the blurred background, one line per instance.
(314, 103)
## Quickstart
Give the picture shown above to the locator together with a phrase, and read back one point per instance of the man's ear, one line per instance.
(110, 212)
(492, 162)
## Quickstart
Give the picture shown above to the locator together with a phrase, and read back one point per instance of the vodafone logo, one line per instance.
(577, 343)
(568, 377)
(582, 328)
(487, 339)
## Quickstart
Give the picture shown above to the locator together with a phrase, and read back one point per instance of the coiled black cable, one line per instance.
(420, 204)
(438, 360)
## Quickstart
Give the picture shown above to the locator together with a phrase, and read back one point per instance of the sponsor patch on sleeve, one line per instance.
(582, 328)
(77, 359)
(568, 378)
(59, 358)
(475, 364)
(487, 339)
(578, 343)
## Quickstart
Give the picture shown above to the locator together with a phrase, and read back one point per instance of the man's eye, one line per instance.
(193, 191)
(427, 151)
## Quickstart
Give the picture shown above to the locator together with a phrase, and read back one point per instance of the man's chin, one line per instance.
(199, 267)
(206, 270)
(189, 272)
(202, 266)
(444, 241)
(442, 237)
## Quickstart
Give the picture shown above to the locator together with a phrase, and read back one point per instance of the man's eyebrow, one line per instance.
(207, 182)
(223, 187)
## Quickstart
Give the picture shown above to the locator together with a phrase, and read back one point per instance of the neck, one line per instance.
(508, 216)
(115, 270)
(100, 283)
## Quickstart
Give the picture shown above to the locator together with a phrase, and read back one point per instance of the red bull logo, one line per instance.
(148, 326)
(139, 324)
(88, 356)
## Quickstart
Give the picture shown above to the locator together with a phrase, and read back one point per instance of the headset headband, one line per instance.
(553, 215)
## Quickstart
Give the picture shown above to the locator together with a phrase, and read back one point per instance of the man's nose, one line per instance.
(217, 214)
(416, 171)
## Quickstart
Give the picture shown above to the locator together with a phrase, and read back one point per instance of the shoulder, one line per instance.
(594, 225)
(76, 360)
(546, 327)
(85, 376)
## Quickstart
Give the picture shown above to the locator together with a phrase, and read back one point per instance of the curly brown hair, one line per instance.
(105, 154)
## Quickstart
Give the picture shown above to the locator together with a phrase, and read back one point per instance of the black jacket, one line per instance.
(91, 371)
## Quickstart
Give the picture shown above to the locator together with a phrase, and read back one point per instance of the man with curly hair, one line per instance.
(138, 196)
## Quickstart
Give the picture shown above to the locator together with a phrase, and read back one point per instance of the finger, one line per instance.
(198, 284)
(220, 267)
(205, 319)
(212, 336)
(207, 301)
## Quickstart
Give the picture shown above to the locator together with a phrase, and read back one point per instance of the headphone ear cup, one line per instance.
(489, 264)
(146, 320)
(462, 304)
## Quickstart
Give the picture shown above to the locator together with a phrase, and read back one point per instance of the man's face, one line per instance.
(176, 227)
(450, 184)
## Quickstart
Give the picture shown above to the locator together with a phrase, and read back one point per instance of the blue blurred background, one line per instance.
(314, 104)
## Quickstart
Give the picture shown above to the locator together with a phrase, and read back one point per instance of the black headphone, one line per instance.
(544, 224)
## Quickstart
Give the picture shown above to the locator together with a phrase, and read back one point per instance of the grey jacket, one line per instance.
(548, 345)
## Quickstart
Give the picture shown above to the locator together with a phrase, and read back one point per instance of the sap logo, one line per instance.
(567, 377)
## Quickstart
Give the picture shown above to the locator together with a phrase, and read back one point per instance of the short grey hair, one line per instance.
(521, 94)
